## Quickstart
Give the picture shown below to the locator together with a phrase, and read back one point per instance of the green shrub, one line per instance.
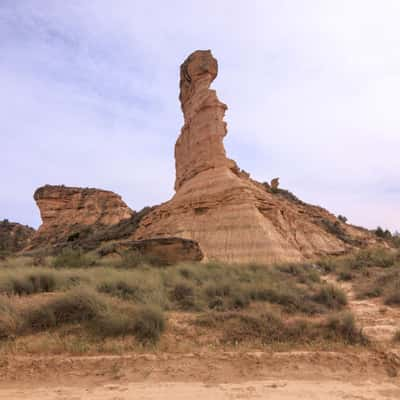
(345, 276)
(149, 324)
(72, 258)
(9, 319)
(343, 327)
(134, 259)
(77, 305)
(331, 296)
(393, 298)
(184, 295)
(122, 289)
(269, 328)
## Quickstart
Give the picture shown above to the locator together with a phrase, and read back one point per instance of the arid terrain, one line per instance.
(232, 289)
(217, 343)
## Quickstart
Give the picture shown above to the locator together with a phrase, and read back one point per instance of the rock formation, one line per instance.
(231, 216)
(66, 211)
(165, 251)
(14, 236)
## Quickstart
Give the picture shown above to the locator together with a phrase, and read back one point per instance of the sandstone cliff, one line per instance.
(231, 216)
(67, 211)
(14, 236)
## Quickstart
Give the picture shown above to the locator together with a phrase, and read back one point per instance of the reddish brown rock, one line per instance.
(231, 216)
(14, 236)
(65, 210)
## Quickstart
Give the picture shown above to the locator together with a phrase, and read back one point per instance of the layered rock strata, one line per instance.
(66, 211)
(231, 216)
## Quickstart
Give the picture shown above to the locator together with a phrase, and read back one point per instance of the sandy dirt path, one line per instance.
(268, 389)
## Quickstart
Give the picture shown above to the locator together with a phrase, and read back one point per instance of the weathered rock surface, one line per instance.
(66, 211)
(14, 236)
(231, 216)
(167, 251)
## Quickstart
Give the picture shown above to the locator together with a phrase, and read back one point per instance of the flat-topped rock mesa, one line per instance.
(14, 236)
(65, 209)
(231, 216)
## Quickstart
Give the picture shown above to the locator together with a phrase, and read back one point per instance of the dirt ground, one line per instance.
(348, 373)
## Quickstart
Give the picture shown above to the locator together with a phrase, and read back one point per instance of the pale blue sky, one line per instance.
(89, 97)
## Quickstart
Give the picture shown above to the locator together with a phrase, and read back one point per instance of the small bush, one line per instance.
(396, 336)
(183, 294)
(8, 319)
(71, 258)
(393, 298)
(331, 296)
(77, 305)
(149, 324)
(113, 323)
(343, 327)
(122, 289)
(270, 328)
(345, 276)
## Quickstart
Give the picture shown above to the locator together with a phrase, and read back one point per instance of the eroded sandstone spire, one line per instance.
(200, 144)
(231, 216)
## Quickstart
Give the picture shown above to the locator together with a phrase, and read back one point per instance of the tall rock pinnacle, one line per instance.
(231, 216)
(200, 144)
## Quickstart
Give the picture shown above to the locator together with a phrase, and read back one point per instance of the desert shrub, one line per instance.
(72, 258)
(342, 327)
(305, 273)
(149, 324)
(184, 295)
(9, 319)
(292, 299)
(269, 328)
(384, 234)
(134, 259)
(393, 298)
(43, 281)
(342, 218)
(76, 305)
(122, 289)
(372, 292)
(331, 296)
(345, 276)
(396, 336)
(112, 323)
(29, 281)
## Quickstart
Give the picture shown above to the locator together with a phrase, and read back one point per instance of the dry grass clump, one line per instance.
(331, 296)
(8, 318)
(188, 286)
(27, 281)
(373, 272)
(92, 311)
(270, 328)
(362, 259)
(72, 258)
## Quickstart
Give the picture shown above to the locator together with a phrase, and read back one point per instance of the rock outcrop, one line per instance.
(14, 236)
(67, 211)
(231, 216)
(165, 251)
